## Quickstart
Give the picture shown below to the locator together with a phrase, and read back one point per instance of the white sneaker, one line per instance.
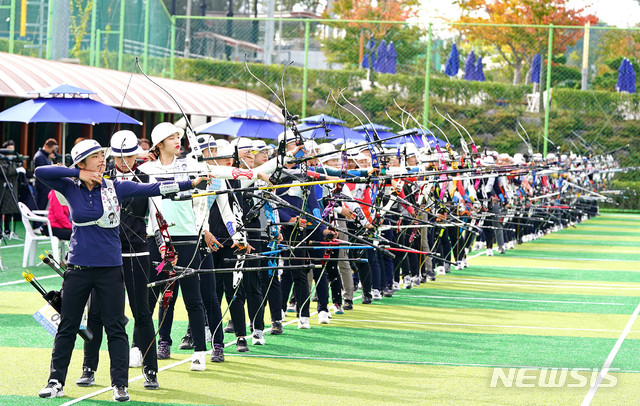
(415, 281)
(489, 252)
(465, 264)
(303, 323)
(323, 318)
(198, 362)
(440, 270)
(135, 357)
(407, 282)
(52, 390)
(375, 294)
(257, 338)
(396, 286)
(207, 334)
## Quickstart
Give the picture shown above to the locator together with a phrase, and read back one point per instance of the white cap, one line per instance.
(83, 149)
(226, 150)
(244, 143)
(518, 159)
(537, 157)
(552, 157)
(311, 147)
(124, 143)
(287, 135)
(329, 149)
(260, 145)
(163, 131)
(487, 161)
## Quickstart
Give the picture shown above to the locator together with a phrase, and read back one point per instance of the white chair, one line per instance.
(31, 239)
(533, 100)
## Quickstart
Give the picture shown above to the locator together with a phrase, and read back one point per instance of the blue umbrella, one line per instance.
(626, 77)
(631, 78)
(243, 127)
(621, 73)
(381, 58)
(383, 131)
(65, 110)
(318, 119)
(479, 75)
(337, 132)
(369, 55)
(536, 65)
(74, 110)
(63, 89)
(470, 67)
(251, 113)
(453, 63)
(392, 57)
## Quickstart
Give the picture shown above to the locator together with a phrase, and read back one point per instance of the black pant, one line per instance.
(210, 299)
(136, 277)
(188, 256)
(62, 233)
(322, 282)
(253, 289)
(295, 277)
(224, 286)
(108, 285)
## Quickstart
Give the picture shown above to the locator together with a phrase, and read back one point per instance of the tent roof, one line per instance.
(22, 74)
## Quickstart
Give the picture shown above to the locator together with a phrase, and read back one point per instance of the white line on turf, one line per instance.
(511, 300)
(541, 282)
(24, 281)
(542, 285)
(605, 368)
(175, 364)
(386, 361)
(570, 259)
(480, 325)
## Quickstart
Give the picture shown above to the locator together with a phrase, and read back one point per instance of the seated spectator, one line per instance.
(59, 218)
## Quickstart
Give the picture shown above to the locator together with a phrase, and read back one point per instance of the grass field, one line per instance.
(568, 300)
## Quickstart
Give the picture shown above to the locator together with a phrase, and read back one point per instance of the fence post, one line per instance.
(97, 51)
(427, 74)
(146, 34)
(305, 68)
(585, 56)
(548, 96)
(49, 33)
(12, 25)
(92, 41)
(172, 57)
(121, 39)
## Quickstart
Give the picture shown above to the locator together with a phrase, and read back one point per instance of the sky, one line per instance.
(620, 13)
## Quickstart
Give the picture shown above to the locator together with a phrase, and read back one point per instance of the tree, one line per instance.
(340, 47)
(516, 45)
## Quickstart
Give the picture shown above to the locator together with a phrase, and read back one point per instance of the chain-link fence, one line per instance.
(516, 87)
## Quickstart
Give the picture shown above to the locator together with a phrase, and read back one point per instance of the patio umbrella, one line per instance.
(470, 67)
(337, 132)
(626, 77)
(535, 68)
(381, 58)
(392, 56)
(243, 127)
(479, 75)
(317, 119)
(369, 58)
(453, 62)
(631, 76)
(60, 109)
(252, 113)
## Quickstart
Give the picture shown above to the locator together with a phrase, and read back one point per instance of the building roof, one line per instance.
(21, 74)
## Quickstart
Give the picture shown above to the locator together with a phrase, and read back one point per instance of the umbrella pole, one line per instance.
(64, 144)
